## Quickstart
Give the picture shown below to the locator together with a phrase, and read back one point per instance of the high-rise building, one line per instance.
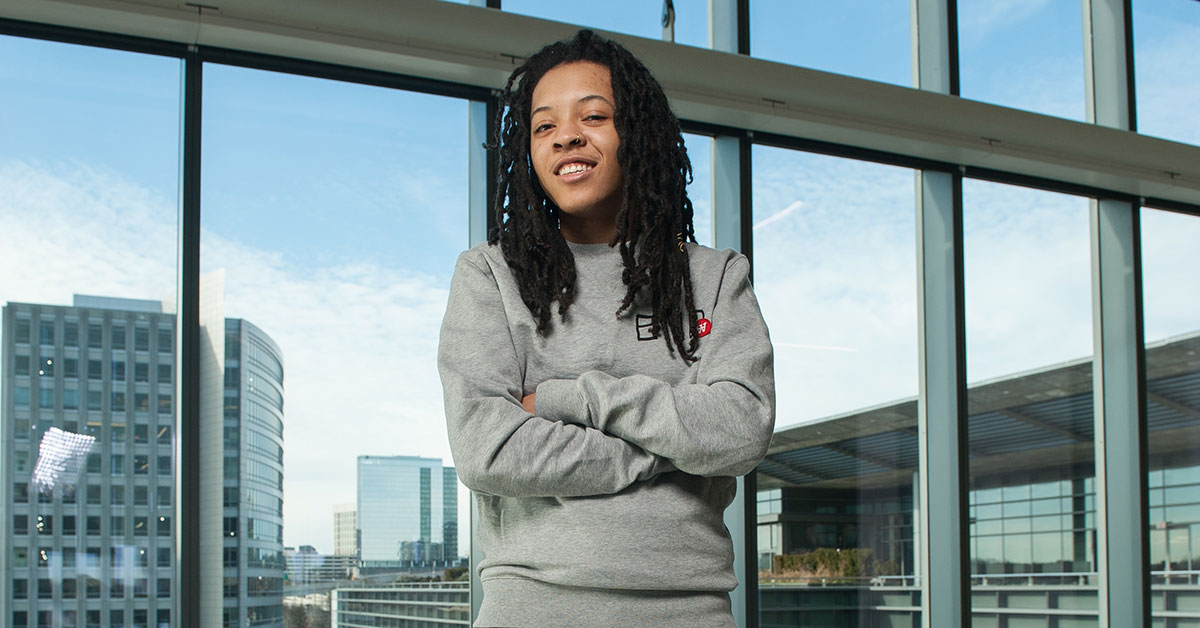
(88, 476)
(407, 512)
(344, 525)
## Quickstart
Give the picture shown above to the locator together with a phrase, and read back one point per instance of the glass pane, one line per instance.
(1029, 372)
(333, 214)
(835, 274)
(699, 148)
(864, 38)
(1027, 55)
(1172, 318)
(88, 166)
(632, 17)
(1167, 68)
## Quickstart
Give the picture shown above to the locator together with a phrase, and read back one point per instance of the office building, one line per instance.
(402, 605)
(344, 526)
(845, 484)
(407, 512)
(89, 475)
(307, 566)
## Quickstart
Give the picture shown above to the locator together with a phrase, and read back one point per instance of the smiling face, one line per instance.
(573, 146)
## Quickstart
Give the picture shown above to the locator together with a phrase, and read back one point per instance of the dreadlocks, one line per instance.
(653, 222)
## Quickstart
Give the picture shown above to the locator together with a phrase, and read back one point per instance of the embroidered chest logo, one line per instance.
(703, 326)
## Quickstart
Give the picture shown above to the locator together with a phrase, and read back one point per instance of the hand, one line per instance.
(527, 401)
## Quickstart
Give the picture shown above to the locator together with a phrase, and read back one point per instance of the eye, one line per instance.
(545, 126)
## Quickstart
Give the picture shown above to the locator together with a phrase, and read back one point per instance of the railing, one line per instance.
(1074, 578)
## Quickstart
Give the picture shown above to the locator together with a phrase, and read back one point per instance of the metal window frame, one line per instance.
(1117, 304)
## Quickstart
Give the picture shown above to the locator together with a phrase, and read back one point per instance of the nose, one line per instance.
(568, 135)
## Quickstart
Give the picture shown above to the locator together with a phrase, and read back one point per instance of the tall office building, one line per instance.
(407, 512)
(88, 476)
(344, 525)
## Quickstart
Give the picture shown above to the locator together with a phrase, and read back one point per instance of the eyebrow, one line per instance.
(582, 100)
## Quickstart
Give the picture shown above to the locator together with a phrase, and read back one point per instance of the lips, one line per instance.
(573, 165)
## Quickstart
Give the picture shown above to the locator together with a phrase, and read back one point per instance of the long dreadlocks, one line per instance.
(653, 222)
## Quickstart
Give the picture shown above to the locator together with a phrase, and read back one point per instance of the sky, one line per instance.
(337, 212)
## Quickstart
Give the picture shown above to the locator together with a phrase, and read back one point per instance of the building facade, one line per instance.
(345, 519)
(88, 477)
(407, 512)
(837, 488)
(403, 605)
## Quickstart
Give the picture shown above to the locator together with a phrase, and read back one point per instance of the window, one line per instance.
(21, 397)
(164, 558)
(71, 334)
(44, 524)
(71, 368)
(118, 401)
(95, 401)
(20, 524)
(95, 336)
(118, 370)
(141, 372)
(118, 464)
(46, 398)
(46, 366)
(118, 337)
(166, 340)
(21, 365)
(46, 332)
(164, 373)
(94, 369)
(70, 399)
(141, 402)
(116, 495)
(141, 464)
(164, 525)
(21, 331)
(164, 403)
(141, 339)
(163, 495)
(116, 527)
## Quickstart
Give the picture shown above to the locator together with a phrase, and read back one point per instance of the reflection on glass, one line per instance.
(1172, 319)
(835, 275)
(632, 17)
(1028, 318)
(1027, 55)
(862, 38)
(1167, 68)
(88, 168)
(333, 214)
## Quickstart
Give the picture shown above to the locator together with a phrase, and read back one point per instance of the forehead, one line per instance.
(569, 82)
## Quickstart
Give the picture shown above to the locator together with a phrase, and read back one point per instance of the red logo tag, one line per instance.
(703, 326)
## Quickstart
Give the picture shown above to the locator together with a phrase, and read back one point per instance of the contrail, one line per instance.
(778, 215)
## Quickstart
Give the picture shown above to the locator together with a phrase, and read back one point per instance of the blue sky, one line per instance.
(337, 211)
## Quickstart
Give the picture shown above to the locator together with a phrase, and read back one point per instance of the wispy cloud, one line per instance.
(779, 215)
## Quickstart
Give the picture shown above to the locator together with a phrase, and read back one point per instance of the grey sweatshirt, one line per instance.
(620, 479)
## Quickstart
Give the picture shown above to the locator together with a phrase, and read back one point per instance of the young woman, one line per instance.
(605, 377)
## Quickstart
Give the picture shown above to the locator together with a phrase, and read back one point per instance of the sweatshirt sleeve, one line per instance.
(721, 425)
(498, 447)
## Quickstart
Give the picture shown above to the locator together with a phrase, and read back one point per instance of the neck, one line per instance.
(582, 231)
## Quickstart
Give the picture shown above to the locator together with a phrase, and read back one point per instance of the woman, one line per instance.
(605, 377)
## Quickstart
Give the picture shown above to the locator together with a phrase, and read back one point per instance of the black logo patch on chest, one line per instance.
(643, 326)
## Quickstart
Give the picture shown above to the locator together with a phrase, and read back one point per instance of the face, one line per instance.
(573, 146)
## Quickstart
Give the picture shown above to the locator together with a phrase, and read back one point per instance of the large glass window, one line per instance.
(1027, 55)
(835, 275)
(1172, 318)
(347, 203)
(1029, 373)
(88, 169)
(864, 38)
(1167, 68)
